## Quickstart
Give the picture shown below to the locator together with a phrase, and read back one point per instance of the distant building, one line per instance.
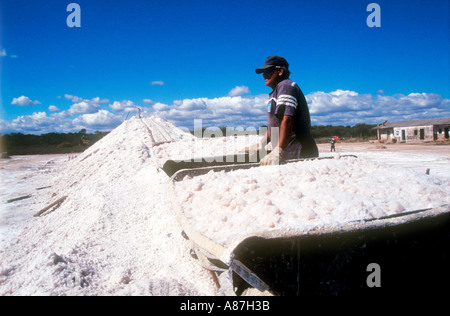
(414, 131)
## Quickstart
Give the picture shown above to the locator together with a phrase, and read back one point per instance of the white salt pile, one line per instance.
(115, 233)
(320, 193)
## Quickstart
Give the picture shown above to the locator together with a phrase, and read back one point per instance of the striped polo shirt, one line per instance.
(287, 99)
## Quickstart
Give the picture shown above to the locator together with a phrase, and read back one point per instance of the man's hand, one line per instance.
(273, 158)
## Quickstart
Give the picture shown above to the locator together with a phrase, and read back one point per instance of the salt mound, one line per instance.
(115, 233)
(304, 195)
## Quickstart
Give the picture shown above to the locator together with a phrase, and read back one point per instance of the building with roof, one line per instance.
(414, 131)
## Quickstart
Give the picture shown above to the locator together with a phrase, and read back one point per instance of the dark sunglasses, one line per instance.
(269, 72)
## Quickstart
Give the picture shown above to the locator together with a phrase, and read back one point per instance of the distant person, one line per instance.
(287, 110)
(333, 142)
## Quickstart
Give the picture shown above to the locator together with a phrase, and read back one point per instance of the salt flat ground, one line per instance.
(416, 156)
(112, 255)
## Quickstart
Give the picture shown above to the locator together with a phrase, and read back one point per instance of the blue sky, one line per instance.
(186, 60)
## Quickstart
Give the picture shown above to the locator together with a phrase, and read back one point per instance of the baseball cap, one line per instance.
(273, 61)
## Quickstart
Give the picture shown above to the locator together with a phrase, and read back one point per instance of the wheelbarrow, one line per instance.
(403, 253)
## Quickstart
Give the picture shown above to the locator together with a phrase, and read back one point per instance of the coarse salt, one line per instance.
(304, 194)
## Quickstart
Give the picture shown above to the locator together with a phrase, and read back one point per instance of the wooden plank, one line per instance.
(19, 198)
(55, 204)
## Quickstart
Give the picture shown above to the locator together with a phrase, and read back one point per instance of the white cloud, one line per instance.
(101, 120)
(84, 107)
(238, 90)
(224, 111)
(340, 107)
(148, 101)
(160, 107)
(37, 123)
(76, 99)
(53, 108)
(23, 101)
(343, 107)
(338, 101)
(41, 123)
(98, 100)
(3, 53)
(157, 83)
(420, 100)
(73, 98)
(125, 106)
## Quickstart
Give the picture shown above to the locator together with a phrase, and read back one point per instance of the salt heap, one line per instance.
(114, 234)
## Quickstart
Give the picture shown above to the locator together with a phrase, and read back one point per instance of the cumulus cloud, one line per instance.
(80, 102)
(84, 107)
(123, 106)
(37, 123)
(98, 100)
(101, 120)
(148, 101)
(322, 103)
(73, 98)
(340, 107)
(344, 107)
(83, 113)
(224, 111)
(238, 90)
(23, 101)
(157, 83)
(160, 107)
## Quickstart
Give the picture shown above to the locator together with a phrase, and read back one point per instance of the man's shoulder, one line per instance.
(288, 83)
(287, 86)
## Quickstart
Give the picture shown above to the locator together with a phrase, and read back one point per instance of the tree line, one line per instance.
(23, 144)
(360, 131)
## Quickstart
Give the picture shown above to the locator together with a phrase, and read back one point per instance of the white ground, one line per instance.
(115, 233)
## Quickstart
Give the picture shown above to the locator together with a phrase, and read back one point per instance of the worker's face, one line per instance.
(272, 77)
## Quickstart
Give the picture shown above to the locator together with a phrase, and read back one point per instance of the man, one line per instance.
(287, 111)
(333, 142)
